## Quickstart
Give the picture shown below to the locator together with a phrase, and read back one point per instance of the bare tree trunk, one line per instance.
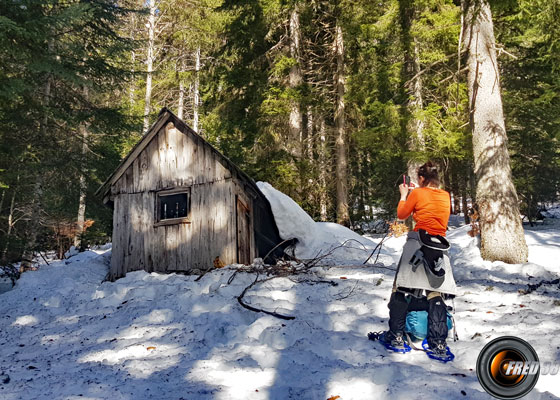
(295, 80)
(309, 143)
(341, 145)
(10, 226)
(310, 133)
(415, 126)
(35, 206)
(464, 201)
(181, 102)
(456, 194)
(35, 213)
(446, 182)
(502, 235)
(2, 200)
(83, 181)
(149, 65)
(323, 198)
(131, 87)
(196, 90)
(181, 105)
(472, 185)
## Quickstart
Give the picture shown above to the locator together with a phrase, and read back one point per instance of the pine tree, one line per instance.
(502, 236)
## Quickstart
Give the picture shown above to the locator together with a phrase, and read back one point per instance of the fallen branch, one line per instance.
(43, 257)
(378, 247)
(251, 308)
(532, 287)
(348, 294)
(275, 247)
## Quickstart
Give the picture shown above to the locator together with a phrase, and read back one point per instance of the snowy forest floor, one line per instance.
(66, 335)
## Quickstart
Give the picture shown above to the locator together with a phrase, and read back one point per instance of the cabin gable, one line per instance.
(179, 204)
(171, 159)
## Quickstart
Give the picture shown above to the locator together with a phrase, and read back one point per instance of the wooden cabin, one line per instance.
(178, 203)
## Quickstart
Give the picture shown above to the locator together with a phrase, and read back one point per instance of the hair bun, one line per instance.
(429, 172)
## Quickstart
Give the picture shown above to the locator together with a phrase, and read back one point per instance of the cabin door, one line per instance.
(243, 233)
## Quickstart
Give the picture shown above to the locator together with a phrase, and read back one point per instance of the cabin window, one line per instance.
(173, 206)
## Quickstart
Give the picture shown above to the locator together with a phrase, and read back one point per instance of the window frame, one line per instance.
(172, 221)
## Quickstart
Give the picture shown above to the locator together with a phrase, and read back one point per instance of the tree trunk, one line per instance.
(34, 223)
(341, 145)
(36, 202)
(446, 182)
(2, 200)
(3, 260)
(464, 201)
(149, 65)
(456, 195)
(131, 87)
(414, 126)
(295, 80)
(310, 135)
(309, 185)
(502, 235)
(83, 181)
(181, 102)
(472, 185)
(323, 198)
(181, 105)
(196, 90)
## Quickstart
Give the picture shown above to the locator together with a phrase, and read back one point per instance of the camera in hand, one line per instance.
(408, 182)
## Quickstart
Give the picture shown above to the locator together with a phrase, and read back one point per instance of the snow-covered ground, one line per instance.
(66, 335)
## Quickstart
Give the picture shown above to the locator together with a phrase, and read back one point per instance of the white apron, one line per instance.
(407, 278)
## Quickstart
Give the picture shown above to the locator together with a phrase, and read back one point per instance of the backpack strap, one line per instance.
(436, 242)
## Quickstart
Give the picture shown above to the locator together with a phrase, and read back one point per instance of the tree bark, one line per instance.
(323, 198)
(464, 200)
(455, 191)
(149, 65)
(83, 181)
(181, 102)
(196, 93)
(502, 235)
(341, 145)
(295, 80)
(36, 202)
(3, 260)
(131, 87)
(414, 126)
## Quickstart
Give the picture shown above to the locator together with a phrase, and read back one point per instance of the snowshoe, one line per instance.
(391, 341)
(439, 352)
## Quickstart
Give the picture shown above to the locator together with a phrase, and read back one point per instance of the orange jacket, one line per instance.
(430, 209)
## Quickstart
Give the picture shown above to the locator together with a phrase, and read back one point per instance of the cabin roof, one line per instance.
(165, 116)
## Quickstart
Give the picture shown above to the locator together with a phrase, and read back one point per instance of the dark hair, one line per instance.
(430, 173)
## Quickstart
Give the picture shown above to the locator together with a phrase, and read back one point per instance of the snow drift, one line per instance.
(336, 243)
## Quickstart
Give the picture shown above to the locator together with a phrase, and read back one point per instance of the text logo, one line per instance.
(508, 367)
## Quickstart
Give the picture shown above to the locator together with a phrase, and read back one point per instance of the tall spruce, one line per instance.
(502, 235)
(341, 140)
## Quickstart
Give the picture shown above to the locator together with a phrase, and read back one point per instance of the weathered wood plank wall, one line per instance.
(173, 160)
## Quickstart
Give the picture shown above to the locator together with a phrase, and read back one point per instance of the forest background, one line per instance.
(330, 101)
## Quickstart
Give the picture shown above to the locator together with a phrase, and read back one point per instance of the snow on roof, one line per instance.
(315, 238)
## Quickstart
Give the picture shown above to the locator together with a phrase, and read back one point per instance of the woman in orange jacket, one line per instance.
(424, 265)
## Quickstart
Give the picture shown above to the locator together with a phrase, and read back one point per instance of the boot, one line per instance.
(398, 307)
(438, 347)
(395, 339)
